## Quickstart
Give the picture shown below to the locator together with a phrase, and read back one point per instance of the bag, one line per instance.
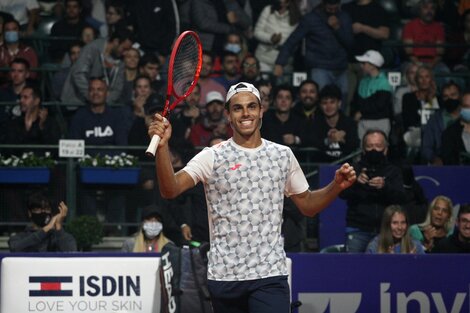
(183, 277)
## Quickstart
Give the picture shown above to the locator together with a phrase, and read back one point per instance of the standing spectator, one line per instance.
(394, 236)
(281, 125)
(378, 185)
(71, 25)
(206, 82)
(328, 34)
(13, 48)
(372, 104)
(459, 241)
(438, 122)
(88, 34)
(46, 232)
(438, 224)
(332, 132)
(131, 67)
(35, 126)
(115, 19)
(275, 24)
(212, 124)
(230, 73)
(100, 58)
(456, 137)
(409, 85)
(58, 80)
(26, 12)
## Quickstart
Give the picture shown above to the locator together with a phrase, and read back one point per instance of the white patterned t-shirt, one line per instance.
(245, 191)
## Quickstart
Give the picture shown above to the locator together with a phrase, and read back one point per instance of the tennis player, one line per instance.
(245, 180)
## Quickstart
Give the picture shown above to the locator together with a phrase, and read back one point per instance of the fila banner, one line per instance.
(101, 284)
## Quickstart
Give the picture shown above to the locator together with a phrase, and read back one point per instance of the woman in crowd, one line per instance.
(150, 237)
(438, 224)
(131, 62)
(394, 236)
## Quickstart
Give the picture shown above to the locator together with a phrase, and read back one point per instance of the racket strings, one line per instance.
(185, 65)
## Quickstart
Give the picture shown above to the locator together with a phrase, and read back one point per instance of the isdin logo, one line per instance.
(330, 302)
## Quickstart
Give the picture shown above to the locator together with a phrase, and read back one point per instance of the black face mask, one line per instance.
(41, 219)
(374, 157)
(450, 105)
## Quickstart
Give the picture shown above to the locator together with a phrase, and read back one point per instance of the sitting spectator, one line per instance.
(60, 76)
(189, 113)
(394, 236)
(150, 237)
(438, 224)
(234, 43)
(13, 48)
(372, 103)
(71, 26)
(408, 85)
(149, 65)
(100, 58)
(46, 232)
(35, 126)
(281, 125)
(131, 66)
(273, 27)
(378, 185)
(88, 34)
(26, 12)
(307, 103)
(206, 82)
(230, 73)
(438, 122)
(250, 70)
(212, 124)
(456, 137)
(459, 241)
(135, 107)
(332, 132)
(265, 88)
(115, 19)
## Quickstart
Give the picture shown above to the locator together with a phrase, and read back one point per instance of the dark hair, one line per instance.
(21, 61)
(139, 77)
(371, 131)
(249, 56)
(451, 84)
(226, 54)
(330, 91)
(149, 58)
(122, 34)
(294, 12)
(77, 1)
(75, 43)
(287, 87)
(464, 209)
(38, 200)
(36, 91)
(309, 81)
(12, 20)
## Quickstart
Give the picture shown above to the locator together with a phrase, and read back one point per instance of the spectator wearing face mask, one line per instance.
(150, 237)
(46, 232)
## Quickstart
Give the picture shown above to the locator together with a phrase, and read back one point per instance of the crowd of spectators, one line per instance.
(109, 61)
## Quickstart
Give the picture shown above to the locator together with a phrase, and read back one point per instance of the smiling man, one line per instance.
(245, 179)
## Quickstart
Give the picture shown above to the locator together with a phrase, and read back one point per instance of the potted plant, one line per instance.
(118, 169)
(29, 168)
(87, 230)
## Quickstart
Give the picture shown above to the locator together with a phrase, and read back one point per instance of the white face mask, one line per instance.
(152, 229)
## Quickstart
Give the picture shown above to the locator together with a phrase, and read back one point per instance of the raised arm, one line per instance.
(312, 202)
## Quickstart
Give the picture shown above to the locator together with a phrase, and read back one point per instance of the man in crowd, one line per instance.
(459, 241)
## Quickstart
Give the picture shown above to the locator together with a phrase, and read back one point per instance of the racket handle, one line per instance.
(152, 148)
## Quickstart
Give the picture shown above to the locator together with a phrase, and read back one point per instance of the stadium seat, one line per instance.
(334, 249)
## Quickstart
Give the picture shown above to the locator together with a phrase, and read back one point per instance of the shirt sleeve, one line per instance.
(200, 166)
(296, 181)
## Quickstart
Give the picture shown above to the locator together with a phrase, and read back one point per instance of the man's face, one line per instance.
(427, 12)
(18, 74)
(424, 79)
(450, 92)
(215, 111)
(308, 95)
(74, 53)
(283, 101)
(97, 92)
(206, 67)
(131, 59)
(463, 225)
(250, 68)
(120, 49)
(398, 225)
(230, 65)
(27, 100)
(331, 9)
(244, 114)
(194, 97)
(330, 106)
(265, 94)
(11, 26)
(72, 10)
(375, 141)
(142, 88)
(151, 70)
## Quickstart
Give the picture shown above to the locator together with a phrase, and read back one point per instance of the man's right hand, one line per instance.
(51, 224)
(160, 127)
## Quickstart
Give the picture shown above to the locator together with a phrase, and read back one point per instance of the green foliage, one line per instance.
(87, 230)
(116, 161)
(28, 159)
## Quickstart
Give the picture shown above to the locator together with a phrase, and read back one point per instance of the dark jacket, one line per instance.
(274, 130)
(34, 240)
(366, 204)
(17, 133)
(325, 48)
(452, 144)
(451, 244)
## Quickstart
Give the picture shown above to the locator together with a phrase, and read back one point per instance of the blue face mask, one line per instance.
(465, 115)
(233, 47)
(11, 36)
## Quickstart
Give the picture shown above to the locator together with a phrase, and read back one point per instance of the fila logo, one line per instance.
(330, 302)
(99, 132)
(235, 167)
(50, 286)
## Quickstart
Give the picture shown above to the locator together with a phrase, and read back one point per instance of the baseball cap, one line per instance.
(214, 96)
(373, 57)
(242, 86)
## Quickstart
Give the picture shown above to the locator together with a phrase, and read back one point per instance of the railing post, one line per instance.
(71, 189)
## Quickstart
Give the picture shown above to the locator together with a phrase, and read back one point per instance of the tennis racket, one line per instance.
(183, 73)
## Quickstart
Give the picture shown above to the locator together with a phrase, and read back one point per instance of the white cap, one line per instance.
(242, 86)
(214, 96)
(373, 57)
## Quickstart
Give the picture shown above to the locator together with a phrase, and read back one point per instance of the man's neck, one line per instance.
(13, 47)
(73, 21)
(282, 116)
(17, 88)
(98, 108)
(251, 142)
(332, 120)
(374, 72)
